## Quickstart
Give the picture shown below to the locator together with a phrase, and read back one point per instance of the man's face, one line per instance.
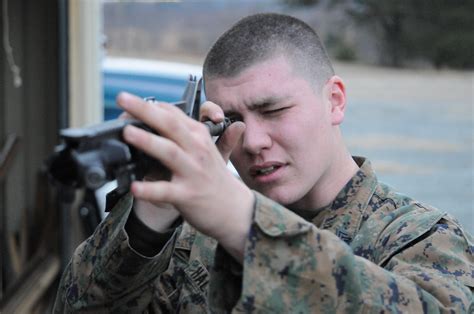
(287, 146)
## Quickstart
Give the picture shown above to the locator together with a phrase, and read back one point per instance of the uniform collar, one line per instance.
(344, 215)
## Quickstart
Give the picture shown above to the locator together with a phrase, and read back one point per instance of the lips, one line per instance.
(265, 169)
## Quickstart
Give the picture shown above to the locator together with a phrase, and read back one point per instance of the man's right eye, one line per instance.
(234, 118)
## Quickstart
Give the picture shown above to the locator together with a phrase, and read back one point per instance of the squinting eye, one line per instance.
(275, 110)
(234, 119)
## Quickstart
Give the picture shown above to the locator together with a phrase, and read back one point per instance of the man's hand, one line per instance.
(228, 140)
(159, 216)
(201, 188)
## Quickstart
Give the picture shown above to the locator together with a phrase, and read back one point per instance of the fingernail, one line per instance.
(218, 116)
(123, 99)
(136, 189)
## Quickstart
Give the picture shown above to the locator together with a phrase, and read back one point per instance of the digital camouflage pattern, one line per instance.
(370, 251)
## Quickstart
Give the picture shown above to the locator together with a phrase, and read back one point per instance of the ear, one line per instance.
(336, 96)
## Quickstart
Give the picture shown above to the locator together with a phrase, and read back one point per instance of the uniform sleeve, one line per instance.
(106, 275)
(291, 266)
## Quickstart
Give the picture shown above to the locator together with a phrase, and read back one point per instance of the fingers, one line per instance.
(230, 138)
(163, 149)
(211, 111)
(154, 192)
(166, 119)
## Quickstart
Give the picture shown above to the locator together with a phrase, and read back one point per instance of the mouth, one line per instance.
(264, 170)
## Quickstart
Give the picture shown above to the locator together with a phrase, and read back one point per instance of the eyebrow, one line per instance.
(258, 104)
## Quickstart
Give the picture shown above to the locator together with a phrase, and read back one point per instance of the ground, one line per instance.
(417, 128)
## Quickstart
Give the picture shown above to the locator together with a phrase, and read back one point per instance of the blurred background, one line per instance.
(408, 68)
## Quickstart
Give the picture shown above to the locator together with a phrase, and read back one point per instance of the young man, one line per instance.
(311, 230)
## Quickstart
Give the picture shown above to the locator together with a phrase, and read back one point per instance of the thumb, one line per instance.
(229, 139)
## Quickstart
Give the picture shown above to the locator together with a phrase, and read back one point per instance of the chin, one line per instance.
(284, 199)
(283, 194)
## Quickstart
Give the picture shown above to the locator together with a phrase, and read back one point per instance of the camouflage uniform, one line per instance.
(371, 250)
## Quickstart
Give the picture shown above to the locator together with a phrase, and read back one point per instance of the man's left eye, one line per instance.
(273, 111)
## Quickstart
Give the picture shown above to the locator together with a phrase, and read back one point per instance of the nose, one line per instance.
(256, 137)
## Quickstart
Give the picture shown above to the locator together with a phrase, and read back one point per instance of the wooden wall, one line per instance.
(32, 113)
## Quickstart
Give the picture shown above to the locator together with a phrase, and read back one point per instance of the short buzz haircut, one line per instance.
(259, 37)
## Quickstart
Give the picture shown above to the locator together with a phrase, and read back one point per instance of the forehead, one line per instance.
(268, 67)
(272, 78)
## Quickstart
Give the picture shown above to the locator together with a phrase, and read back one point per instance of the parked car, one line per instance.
(164, 80)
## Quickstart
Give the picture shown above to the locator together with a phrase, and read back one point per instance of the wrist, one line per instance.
(144, 240)
(238, 226)
(157, 218)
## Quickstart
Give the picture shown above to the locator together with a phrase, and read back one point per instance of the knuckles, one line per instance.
(209, 109)
(201, 129)
(171, 151)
